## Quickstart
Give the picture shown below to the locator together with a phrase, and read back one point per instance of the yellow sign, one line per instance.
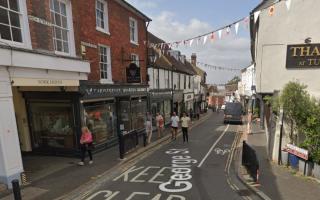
(43, 82)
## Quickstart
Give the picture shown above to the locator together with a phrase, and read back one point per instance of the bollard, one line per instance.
(16, 189)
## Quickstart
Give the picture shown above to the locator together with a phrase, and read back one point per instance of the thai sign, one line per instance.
(297, 151)
(133, 74)
(303, 56)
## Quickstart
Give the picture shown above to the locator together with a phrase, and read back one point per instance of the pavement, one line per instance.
(276, 182)
(201, 169)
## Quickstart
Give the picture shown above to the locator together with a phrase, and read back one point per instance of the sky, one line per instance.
(176, 20)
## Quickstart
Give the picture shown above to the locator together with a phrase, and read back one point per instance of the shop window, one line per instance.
(124, 119)
(138, 113)
(101, 120)
(52, 125)
(167, 111)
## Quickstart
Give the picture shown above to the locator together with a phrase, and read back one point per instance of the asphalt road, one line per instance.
(196, 170)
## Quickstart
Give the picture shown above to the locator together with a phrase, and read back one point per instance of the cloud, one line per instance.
(232, 51)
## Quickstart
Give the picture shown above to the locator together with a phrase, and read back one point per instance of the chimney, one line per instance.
(194, 59)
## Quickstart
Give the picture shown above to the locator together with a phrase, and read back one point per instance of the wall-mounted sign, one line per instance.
(301, 153)
(39, 20)
(303, 56)
(87, 44)
(160, 94)
(43, 82)
(133, 74)
(102, 91)
(188, 97)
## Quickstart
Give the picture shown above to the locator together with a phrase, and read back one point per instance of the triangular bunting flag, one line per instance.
(220, 33)
(212, 37)
(236, 27)
(191, 41)
(256, 15)
(288, 4)
(205, 39)
(228, 30)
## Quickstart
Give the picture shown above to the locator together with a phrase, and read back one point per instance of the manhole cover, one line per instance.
(244, 192)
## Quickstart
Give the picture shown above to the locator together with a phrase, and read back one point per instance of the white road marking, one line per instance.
(213, 146)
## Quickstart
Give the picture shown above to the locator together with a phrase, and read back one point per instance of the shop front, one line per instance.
(178, 105)
(110, 110)
(188, 99)
(160, 102)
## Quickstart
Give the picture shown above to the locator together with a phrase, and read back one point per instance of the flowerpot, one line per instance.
(316, 171)
(284, 157)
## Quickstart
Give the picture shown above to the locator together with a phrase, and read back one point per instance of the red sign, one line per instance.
(301, 153)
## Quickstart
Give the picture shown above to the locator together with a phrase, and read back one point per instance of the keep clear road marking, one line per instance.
(210, 150)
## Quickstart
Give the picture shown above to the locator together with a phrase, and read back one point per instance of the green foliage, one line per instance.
(273, 102)
(234, 80)
(304, 113)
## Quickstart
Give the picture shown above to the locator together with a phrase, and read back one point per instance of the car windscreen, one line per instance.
(233, 109)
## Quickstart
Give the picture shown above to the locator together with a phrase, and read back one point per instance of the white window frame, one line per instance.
(105, 17)
(24, 25)
(71, 43)
(166, 79)
(109, 65)
(136, 60)
(136, 41)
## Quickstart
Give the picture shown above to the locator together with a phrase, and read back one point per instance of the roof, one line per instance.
(264, 4)
(179, 66)
(199, 71)
(154, 39)
(133, 9)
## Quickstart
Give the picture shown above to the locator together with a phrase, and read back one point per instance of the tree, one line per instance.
(234, 80)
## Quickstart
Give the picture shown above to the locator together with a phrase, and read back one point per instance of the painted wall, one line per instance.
(275, 33)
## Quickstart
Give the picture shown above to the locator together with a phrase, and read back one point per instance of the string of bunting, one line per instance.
(217, 67)
(220, 32)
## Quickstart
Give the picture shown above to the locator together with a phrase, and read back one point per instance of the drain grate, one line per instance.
(244, 192)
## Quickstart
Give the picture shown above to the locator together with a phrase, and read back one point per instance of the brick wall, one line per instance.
(41, 35)
(118, 39)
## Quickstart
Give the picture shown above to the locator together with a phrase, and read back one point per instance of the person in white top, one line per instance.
(174, 125)
(149, 127)
(160, 124)
(185, 121)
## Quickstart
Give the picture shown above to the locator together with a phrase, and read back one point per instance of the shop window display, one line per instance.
(138, 113)
(124, 118)
(101, 121)
(52, 125)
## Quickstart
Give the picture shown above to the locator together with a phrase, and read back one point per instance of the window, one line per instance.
(61, 31)
(156, 78)
(185, 82)
(133, 25)
(102, 16)
(10, 20)
(135, 59)
(105, 62)
(138, 113)
(189, 82)
(166, 79)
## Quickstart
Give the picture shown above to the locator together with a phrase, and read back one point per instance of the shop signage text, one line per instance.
(303, 56)
(188, 97)
(301, 153)
(40, 21)
(87, 44)
(44, 82)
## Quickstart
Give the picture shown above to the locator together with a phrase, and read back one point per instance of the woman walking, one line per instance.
(86, 142)
(149, 127)
(160, 124)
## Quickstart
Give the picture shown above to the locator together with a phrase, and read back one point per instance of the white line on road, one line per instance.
(210, 150)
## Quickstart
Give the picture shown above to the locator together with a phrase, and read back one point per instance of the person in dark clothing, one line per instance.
(185, 121)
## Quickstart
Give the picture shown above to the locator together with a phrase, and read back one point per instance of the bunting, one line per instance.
(288, 4)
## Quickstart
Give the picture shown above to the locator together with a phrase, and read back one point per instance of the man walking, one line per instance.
(160, 124)
(185, 121)
(174, 125)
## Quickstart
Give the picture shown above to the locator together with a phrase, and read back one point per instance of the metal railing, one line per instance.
(250, 161)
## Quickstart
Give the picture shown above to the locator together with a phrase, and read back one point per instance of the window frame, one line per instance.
(105, 17)
(136, 41)
(24, 27)
(70, 33)
(109, 64)
(136, 60)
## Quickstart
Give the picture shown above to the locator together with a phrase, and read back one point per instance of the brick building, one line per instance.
(40, 74)
(111, 34)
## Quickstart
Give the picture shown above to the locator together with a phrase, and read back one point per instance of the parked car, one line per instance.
(233, 113)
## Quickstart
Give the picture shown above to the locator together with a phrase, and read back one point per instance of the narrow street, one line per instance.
(198, 168)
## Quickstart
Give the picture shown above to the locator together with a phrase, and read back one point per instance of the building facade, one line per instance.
(111, 35)
(40, 74)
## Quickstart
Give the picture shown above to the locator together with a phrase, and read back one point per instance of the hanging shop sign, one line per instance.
(102, 91)
(303, 56)
(133, 74)
(188, 97)
(297, 151)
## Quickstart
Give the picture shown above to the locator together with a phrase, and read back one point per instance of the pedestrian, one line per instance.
(185, 121)
(149, 127)
(174, 125)
(160, 124)
(86, 144)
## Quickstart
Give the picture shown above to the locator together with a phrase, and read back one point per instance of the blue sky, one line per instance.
(175, 20)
